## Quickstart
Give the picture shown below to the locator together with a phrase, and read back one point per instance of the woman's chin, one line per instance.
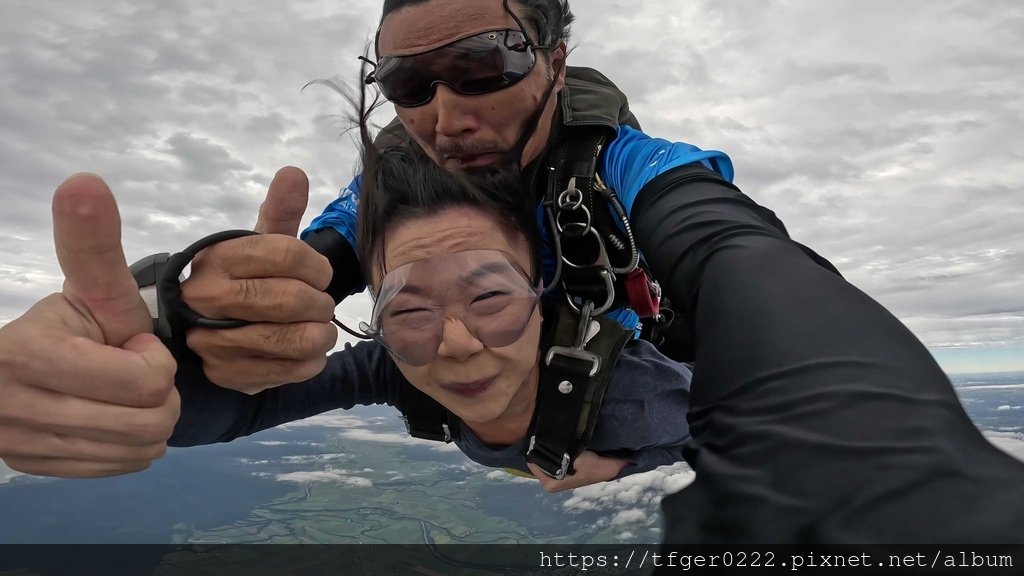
(480, 412)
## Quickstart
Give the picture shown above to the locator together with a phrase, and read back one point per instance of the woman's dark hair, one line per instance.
(549, 19)
(401, 182)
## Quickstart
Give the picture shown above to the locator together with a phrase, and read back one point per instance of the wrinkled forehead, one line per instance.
(421, 27)
(451, 275)
(450, 230)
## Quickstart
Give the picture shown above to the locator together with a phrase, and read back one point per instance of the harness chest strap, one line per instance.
(603, 261)
(572, 385)
(580, 220)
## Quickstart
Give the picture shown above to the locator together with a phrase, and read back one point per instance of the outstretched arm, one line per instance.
(818, 416)
(357, 375)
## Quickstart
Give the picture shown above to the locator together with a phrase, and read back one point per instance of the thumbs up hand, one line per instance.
(274, 280)
(86, 389)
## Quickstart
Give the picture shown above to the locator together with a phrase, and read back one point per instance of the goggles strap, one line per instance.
(526, 33)
(579, 352)
(166, 271)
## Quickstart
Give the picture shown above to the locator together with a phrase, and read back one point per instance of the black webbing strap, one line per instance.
(588, 223)
(573, 167)
(425, 417)
(571, 388)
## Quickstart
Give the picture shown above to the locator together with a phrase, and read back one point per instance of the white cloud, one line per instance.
(355, 427)
(313, 458)
(631, 517)
(637, 491)
(333, 476)
(393, 438)
(1010, 442)
(889, 143)
(6, 473)
(251, 461)
(503, 476)
(334, 419)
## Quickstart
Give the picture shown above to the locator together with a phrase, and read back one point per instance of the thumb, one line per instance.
(87, 236)
(282, 210)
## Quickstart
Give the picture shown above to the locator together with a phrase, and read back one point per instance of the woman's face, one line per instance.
(477, 382)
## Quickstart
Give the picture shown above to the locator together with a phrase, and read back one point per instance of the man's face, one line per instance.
(459, 131)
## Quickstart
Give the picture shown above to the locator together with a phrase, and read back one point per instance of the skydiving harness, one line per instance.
(598, 268)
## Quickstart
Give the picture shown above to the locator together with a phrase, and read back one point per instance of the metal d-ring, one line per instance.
(609, 289)
(601, 260)
(585, 225)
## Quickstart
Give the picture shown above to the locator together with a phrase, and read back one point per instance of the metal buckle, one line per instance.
(444, 428)
(579, 342)
(533, 457)
(575, 353)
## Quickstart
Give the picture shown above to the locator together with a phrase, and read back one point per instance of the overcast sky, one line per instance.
(887, 135)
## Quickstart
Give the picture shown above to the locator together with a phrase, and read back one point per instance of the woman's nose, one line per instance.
(457, 341)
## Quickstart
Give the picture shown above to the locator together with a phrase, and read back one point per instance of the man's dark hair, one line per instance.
(550, 19)
(401, 182)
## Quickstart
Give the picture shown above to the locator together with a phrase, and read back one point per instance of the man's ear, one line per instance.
(558, 55)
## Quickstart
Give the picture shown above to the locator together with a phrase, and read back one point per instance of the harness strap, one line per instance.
(591, 248)
(572, 385)
(595, 249)
(425, 417)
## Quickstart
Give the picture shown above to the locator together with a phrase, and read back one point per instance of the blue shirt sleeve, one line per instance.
(633, 159)
(341, 213)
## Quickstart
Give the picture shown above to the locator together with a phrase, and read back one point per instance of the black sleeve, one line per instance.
(348, 275)
(357, 375)
(818, 416)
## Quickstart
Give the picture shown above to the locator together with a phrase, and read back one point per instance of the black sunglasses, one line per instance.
(478, 64)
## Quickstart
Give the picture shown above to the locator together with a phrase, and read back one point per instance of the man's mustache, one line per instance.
(449, 148)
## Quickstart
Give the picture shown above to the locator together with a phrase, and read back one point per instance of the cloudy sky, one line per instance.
(887, 135)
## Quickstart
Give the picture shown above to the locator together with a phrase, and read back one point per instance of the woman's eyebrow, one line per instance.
(411, 289)
(487, 269)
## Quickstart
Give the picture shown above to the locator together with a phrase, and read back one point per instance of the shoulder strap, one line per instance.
(579, 355)
(425, 417)
(591, 248)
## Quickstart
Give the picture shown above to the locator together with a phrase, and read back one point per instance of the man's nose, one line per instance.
(457, 342)
(456, 115)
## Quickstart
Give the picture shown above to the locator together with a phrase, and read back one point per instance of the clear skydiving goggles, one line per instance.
(477, 64)
(484, 290)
